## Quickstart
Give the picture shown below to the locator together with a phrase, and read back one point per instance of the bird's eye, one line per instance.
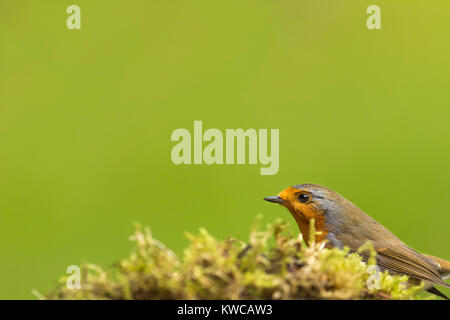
(303, 197)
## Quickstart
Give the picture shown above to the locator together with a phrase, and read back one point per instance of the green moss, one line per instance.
(231, 269)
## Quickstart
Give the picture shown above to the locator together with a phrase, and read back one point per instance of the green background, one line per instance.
(86, 117)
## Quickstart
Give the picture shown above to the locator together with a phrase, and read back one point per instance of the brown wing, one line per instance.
(409, 262)
(445, 265)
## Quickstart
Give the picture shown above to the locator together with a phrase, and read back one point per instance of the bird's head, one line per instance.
(310, 201)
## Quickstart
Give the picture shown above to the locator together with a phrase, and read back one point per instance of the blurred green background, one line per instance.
(86, 117)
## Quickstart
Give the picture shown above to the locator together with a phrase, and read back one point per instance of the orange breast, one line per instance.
(303, 219)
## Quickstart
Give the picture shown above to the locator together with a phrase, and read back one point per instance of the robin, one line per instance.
(341, 223)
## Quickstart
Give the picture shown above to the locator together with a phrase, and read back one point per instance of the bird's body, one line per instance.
(342, 223)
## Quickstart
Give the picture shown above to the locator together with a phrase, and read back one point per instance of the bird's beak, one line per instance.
(275, 199)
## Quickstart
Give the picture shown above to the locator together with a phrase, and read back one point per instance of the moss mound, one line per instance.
(272, 265)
